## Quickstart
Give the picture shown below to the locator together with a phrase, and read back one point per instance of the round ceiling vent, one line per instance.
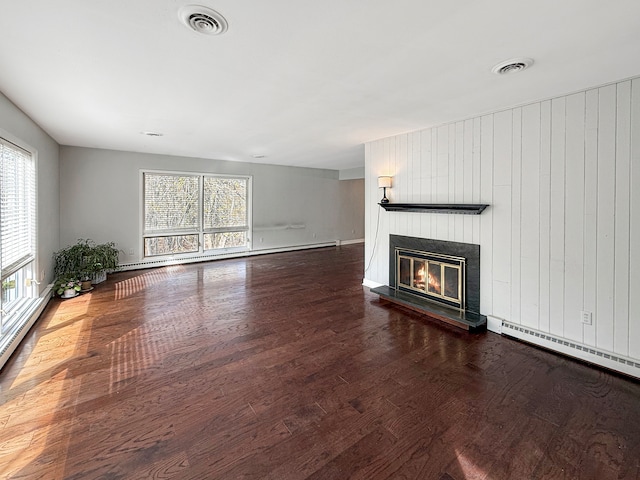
(512, 66)
(203, 20)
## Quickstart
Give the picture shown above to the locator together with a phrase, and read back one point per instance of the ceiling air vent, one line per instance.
(203, 20)
(512, 66)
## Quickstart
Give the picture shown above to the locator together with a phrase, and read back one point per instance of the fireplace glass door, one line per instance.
(431, 275)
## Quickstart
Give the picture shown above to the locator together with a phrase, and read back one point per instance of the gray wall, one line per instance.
(19, 128)
(100, 198)
(352, 173)
(351, 208)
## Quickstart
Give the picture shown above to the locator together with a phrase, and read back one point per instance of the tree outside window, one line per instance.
(189, 213)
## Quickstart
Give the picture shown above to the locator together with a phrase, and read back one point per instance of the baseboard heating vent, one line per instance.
(209, 257)
(31, 314)
(588, 353)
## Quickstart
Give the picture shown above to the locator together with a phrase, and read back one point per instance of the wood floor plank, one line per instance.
(284, 367)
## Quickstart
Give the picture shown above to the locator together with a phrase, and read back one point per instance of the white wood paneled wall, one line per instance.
(562, 234)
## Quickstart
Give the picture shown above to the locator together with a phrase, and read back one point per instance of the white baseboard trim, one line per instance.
(370, 283)
(349, 242)
(13, 338)
(123, 267)
(494, 324)
(603, 358)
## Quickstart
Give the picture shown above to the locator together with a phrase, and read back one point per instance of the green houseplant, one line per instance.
(67, 287)
(86, 261)
(106, 256)
(69, 261)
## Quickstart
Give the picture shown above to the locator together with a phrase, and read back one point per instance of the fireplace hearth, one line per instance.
(438, 278)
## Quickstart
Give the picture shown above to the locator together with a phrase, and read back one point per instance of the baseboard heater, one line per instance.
(165, 262)
(590, 354)
(31, 315)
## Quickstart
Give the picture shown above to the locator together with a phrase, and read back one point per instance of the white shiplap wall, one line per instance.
(562, 234)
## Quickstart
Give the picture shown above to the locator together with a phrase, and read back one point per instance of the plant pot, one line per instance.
(99, 277)
(85, 285)
(69, 293)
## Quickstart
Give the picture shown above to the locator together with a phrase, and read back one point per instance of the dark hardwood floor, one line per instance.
(284, 367)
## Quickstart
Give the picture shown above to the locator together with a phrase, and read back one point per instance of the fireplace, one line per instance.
(438, 278)
(431, 275)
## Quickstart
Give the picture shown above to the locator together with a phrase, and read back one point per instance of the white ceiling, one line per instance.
(304, 82)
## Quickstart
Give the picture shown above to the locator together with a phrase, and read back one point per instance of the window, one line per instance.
(192, 213)
(17, 232)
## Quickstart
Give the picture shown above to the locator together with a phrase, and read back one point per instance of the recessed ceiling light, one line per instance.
(512, 66)
(152, 134)
(203, 20)
(258, 155)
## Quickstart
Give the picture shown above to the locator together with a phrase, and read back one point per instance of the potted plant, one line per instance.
(103, 258)
(86, 261)
(69, 261)
(85, 280)
(67, 287)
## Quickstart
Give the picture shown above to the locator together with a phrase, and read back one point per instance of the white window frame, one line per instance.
(14, 314)
(200, 231)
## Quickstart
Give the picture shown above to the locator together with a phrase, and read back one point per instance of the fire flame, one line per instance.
(433, 281)
(434, 284)
(418, 281)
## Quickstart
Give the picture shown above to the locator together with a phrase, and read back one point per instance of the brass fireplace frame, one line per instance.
(429, 259)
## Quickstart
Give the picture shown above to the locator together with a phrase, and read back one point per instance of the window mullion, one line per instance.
(201, 207)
